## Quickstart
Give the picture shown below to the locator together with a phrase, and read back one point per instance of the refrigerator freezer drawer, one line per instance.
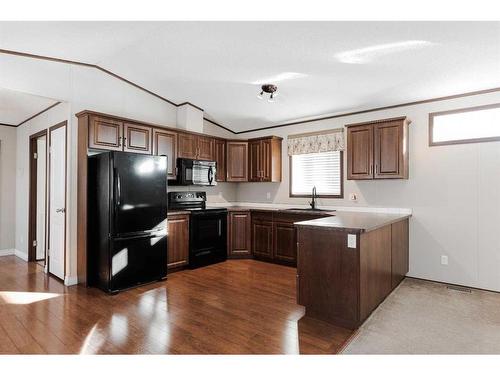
(136, 261)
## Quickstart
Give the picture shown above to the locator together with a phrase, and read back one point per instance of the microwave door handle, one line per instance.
(210, 175)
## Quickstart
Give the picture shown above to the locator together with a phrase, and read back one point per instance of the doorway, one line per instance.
(38, 198)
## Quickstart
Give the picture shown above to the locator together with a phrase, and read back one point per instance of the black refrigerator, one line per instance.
(127, 220)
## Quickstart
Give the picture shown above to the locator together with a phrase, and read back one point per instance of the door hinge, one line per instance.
(35, 155)
(34, 243)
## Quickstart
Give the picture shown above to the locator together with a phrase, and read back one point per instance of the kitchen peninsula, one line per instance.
(349, 263)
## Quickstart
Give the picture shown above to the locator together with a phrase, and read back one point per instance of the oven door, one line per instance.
(204, 173)
(207, 243)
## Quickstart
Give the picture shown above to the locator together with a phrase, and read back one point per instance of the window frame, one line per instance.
(432, 143)
(333, 196)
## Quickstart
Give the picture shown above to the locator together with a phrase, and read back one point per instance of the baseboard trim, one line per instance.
(70, 280)
(21, 255)
(6, 252)
(459, 285)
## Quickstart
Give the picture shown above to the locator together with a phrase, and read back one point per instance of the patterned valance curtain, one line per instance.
(324, 141)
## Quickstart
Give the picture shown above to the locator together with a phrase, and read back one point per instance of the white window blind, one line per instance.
(322, 169)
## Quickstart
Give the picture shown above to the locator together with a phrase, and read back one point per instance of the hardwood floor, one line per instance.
(235, 307)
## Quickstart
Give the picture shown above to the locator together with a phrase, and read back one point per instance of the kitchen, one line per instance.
(191, 228)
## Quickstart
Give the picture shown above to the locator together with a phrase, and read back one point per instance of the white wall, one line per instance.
(454, 192)
(7, 187)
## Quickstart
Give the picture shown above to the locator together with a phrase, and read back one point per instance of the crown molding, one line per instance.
(32, 117)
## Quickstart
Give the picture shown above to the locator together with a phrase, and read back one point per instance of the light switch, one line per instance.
(351, 241)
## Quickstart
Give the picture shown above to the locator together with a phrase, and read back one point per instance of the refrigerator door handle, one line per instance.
(118, 187)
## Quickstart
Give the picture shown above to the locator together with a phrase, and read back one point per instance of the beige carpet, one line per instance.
(422, 317)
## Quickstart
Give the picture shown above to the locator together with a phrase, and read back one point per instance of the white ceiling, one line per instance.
(217, 65)
(15, 107)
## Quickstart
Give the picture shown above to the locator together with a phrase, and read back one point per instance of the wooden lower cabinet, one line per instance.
(239, 234)
(274, 237)
(342, 284)
(262, 235)
(178, 241)
(285, 241)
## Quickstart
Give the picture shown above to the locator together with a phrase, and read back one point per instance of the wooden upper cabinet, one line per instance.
(105, 133)
(254, 163)
(220, 159)
(188, 147)
(264, 159)
(360, 152)
(192, 146)
(165, 143)
(378, 150)
(391, 150)
(137, 138)
(237, 161)
(205, 147)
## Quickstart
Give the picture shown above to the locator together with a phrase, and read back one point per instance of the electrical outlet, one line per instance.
(444, 260)
(353, 197)
(268, 195)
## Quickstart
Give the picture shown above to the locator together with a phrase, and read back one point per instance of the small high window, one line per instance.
(467, 125)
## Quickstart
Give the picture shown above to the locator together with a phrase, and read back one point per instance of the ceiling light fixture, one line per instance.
(268, 89)
(367, 54)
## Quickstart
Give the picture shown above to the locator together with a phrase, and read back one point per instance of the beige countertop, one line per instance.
(281, 210)
(354, 221)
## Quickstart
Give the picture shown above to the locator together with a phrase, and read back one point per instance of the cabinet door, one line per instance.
(254, 161)
(205, 148)
(105, 134)
(239, 233)
(187, 146)
(389, 150)
(237, 161)
(178, 241)
(360, 152)
(220, 159)
(165, 143)
(285, 242)
(137, 138)
(262, 238)
(266, 160)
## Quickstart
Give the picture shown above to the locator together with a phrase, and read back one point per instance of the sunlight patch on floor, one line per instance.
(25, 298)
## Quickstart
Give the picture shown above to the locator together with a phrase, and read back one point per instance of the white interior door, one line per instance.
(57, 201)
(41, 176)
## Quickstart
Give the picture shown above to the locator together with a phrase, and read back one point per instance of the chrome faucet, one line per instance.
(313, 196)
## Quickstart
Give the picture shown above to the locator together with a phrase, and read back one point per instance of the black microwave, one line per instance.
(196, 172)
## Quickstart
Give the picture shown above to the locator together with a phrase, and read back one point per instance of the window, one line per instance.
(468, 125)
(322, 169)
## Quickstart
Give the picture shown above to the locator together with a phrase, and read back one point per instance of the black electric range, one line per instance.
(207, 227)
